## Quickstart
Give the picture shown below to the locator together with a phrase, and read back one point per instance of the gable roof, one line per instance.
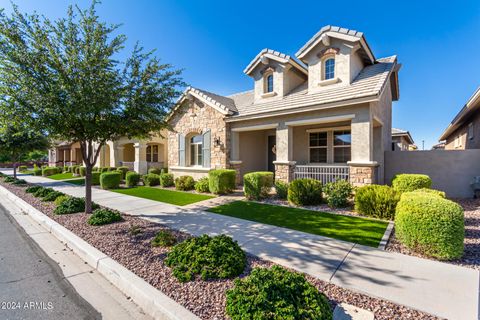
(340, 33)
(402, 133)
(472, 105)
(274, 55)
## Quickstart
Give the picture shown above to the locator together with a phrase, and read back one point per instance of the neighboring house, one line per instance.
(464, 130)
(439, 146)
(326, 115)
(402, 140)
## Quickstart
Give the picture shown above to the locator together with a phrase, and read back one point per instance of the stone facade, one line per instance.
(237, 165)
(195, 117)
(362, 175)
(284, 172)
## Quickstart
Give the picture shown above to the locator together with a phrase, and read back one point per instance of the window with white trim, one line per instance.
(470, 131)
(329, 69)
(318, 147)
(196, 143)
(342, 141)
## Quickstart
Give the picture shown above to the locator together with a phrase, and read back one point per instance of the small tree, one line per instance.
(16, 142)
(66, 78)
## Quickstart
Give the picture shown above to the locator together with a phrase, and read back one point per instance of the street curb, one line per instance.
(153, 302)
(386, 236)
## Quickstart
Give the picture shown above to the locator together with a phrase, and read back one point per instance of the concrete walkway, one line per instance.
(441, 289)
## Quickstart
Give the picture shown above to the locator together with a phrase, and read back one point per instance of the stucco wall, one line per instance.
(450, 171)
(253, 150)
(466, 143)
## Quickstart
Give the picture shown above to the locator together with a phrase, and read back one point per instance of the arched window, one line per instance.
(196, 143)
(329, 69)
(269, 83)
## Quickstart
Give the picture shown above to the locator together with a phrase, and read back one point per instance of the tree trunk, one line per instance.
(14, 170)
(88, 188)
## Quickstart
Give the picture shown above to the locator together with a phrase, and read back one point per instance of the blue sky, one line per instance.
(438, 43)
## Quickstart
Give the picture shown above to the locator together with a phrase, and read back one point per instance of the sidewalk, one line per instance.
(441, 289)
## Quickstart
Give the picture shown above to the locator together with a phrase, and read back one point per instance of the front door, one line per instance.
(272, 152)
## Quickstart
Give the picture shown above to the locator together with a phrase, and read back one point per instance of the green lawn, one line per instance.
(368, 232)
(168, 196)
(78, 182)
(61, 176)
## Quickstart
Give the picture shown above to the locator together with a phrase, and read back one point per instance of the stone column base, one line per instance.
(236, 165)
(363, 174)
(140, 167)
(284, 170)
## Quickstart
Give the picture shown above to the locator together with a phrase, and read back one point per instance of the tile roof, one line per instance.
(285, 58)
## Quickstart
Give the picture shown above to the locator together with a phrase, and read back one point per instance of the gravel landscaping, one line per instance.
(204, 298)
(471, 256)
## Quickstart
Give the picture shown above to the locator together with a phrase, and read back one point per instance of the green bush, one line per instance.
(164, 170)
(305, 192)
(338, 193)
(104, 216)
(59, 200)
(9, 179)
(124, 171)
(52, 196)
(430, 191)
(257, 185)
(430, 225)
(157, 171)
(110, 180)
(184, 183)
(216, 257)
(96, 178)
(276, 293)
(112, 169)
(33, 189)
(37, 172)
(73, 205)
(151, 179)
(166, 180)
(132, 179)
(376, 201)
(164, 238)
(19, 182)
(49, 171)
(221, 181)
(281, 189)
(41, 193)
(22, 168)
(76, 169)
(202, 185)
(103, 170)
(409, 182)
(82, 171)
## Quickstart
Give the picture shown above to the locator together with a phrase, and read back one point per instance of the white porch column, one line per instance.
(140, 164)
(65, 153)
(284, 165)
(235, 162)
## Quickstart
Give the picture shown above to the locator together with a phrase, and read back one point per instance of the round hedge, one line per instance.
(410, 182)
(430, 225)
(431, 191)
(110, 180)
(132, 179)
(376, 201)
(276, 293)
(257, 185)
(100, 217)
(184, 183)
(218, 257)
(202, 185)
(304, 192)
(151, 179)
(166, 179)
(338, 192)
(221, 181)
(157, 171)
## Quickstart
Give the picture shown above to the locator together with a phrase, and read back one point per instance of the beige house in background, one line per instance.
(464, 130)
(325, 114)
(402, 140)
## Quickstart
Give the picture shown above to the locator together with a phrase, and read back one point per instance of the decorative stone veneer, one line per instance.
(360, 176)
(237, 165)
(284, 172)
(196, 117)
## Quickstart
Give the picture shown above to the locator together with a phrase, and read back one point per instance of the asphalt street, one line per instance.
(32, 285)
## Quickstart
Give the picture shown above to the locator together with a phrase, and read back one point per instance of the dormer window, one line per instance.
(329, 69)
(269, 83)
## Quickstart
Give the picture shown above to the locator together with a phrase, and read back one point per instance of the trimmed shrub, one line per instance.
(164, 238)
(33, 189)
(151, 179)
(76, 169)
(338, 193)
(59, 200)
(132, 179)
(202, 185)
(257, 185)
(166, 180)
(9, 179)
(430, 191)
(155, 171)
(104, 169)
(305, 192)
(73, 205)
(19, 182)
(409, 182)
(96, 178)
(221, 181)
(49, 171)
(104, 216)
(430, 225)
(218, 257)
(41, 193)
(164, 170)
(376, 201)
(52, 196)
(276, 293)
(37, 172)
(110, 180)
(281, 189)
(112, 169)
(82, 171)
(184, 183)
(124, 171)
(22, 168)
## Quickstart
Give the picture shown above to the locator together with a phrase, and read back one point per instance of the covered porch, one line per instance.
(65, 154)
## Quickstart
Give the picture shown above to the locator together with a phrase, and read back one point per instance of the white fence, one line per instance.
(324, 174)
